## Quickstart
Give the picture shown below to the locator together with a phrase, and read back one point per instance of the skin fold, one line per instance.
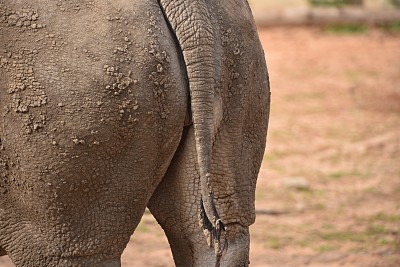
(111, 106)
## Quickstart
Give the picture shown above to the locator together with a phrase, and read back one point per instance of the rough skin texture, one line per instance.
(94, 102)
(242, 99)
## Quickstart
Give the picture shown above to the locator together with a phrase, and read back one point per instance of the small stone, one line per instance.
(299, 183)
(383, 252)
(333, 256)
(60, 104)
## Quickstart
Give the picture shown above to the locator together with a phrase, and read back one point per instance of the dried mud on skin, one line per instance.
(335, 122)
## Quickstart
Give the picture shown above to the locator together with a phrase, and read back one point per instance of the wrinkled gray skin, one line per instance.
(111, 106)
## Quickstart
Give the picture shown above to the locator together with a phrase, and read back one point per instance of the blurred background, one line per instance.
(329, 188)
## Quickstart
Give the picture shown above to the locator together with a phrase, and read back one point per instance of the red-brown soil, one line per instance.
(335, 124)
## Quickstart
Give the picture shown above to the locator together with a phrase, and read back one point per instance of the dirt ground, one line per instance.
(329, 188)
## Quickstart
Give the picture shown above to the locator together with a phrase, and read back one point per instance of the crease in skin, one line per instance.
(190, 22)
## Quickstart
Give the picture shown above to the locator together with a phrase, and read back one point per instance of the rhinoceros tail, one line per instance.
(191, 24)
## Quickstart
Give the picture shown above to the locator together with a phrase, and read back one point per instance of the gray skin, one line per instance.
(111, 106)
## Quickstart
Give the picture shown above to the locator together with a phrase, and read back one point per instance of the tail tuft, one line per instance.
(215, 232)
